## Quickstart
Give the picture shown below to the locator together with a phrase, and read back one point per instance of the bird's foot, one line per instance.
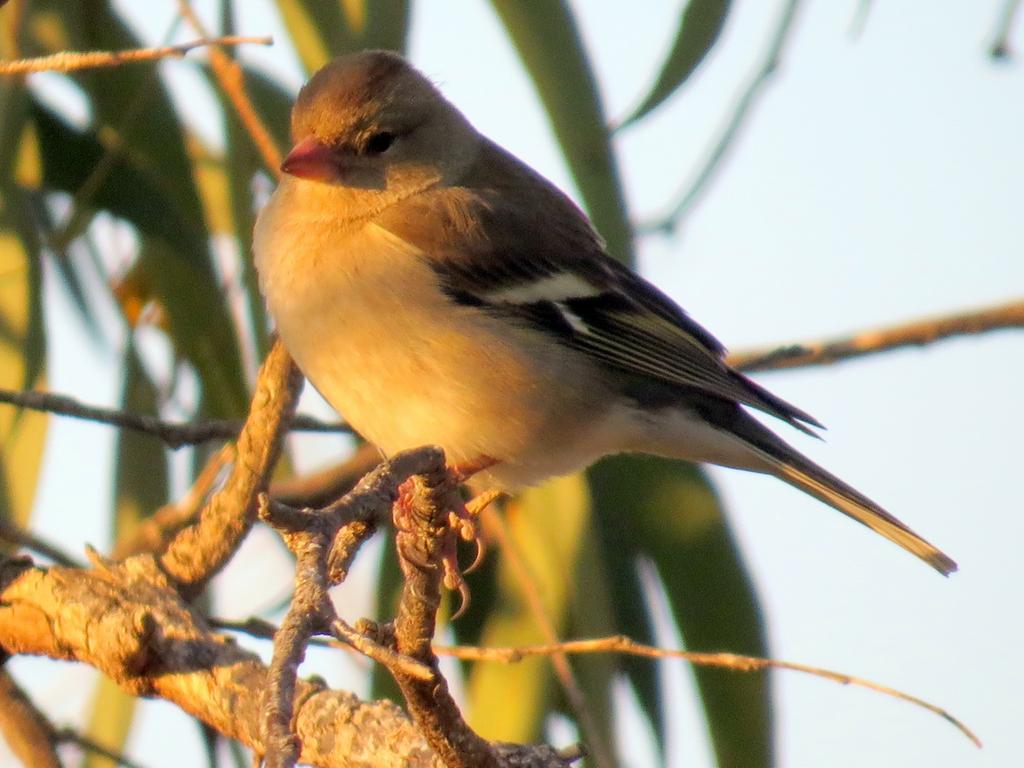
(463, 523)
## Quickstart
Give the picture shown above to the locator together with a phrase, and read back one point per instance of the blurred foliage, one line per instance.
(135, 161)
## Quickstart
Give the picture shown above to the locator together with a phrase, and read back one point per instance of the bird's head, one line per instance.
(369, 121)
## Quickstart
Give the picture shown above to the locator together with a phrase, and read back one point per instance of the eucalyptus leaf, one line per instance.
(700, 25)
(674, 518)
(544, 33)
(22, 331)
(323, 29)
(545, 526)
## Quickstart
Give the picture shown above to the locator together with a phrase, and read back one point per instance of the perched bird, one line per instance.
(437, 290)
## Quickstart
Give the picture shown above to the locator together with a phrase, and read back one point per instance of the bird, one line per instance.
(436, 290)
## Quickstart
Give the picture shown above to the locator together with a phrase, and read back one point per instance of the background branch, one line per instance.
(27, 731)
(128, 622)
(733, 661)
(174, 434)
(913, 334)
(71, 61)
(12, 533)
(232, 81)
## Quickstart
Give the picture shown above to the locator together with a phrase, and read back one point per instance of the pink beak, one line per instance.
(309, 159)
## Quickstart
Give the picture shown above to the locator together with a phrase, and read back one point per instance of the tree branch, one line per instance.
(174, 434)
(732, 661)
(71, 61)
(129, 622)
(199, 551)
(311, 535)
(421, 540)
(155, 531)
(12, 533)
(232, 81)
(27, 731)
(70, 736)
(913, 334)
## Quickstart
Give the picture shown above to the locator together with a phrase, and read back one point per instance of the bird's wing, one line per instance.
(541, 264)
(603, 310)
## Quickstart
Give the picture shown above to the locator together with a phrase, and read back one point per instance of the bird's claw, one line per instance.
(464, 521)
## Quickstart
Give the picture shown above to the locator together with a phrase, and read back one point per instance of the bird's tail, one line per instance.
(788, 464)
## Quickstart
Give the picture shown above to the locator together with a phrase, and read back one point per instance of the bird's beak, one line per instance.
(309, 159)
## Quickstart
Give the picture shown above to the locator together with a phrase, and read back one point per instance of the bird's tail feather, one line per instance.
(796, 469)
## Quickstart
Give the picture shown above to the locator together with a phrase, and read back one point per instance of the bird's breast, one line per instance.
(366, 320)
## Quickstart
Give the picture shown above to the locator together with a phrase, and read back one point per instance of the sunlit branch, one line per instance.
(174, 434)
(72, 61)
(14, 534)
(232, 81)
(913, 334)
(739, 663)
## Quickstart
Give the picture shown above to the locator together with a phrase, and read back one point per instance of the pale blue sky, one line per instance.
(880, 179)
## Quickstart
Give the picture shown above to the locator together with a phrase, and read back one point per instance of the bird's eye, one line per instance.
(379, 143)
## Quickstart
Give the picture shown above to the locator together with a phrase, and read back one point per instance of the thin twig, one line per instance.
(913, 334)
(232, 81)
(12, 533)
(800, 354)
(736, 662)
(174, 434)
(691, 194)
(1000, 48)
(379, 653)
(72, 61)
(28, 732)
(70, 736)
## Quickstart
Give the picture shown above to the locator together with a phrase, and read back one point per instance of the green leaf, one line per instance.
(591, 614)
(137, 128)
(545, 34)
(389, 587)
(22, 333)
(22, 433)
(628, 603)
(129, 103)
(700, 24)
(323, 29)
(175, 257)
(140, 479)
(545, 525)
(674, 518)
